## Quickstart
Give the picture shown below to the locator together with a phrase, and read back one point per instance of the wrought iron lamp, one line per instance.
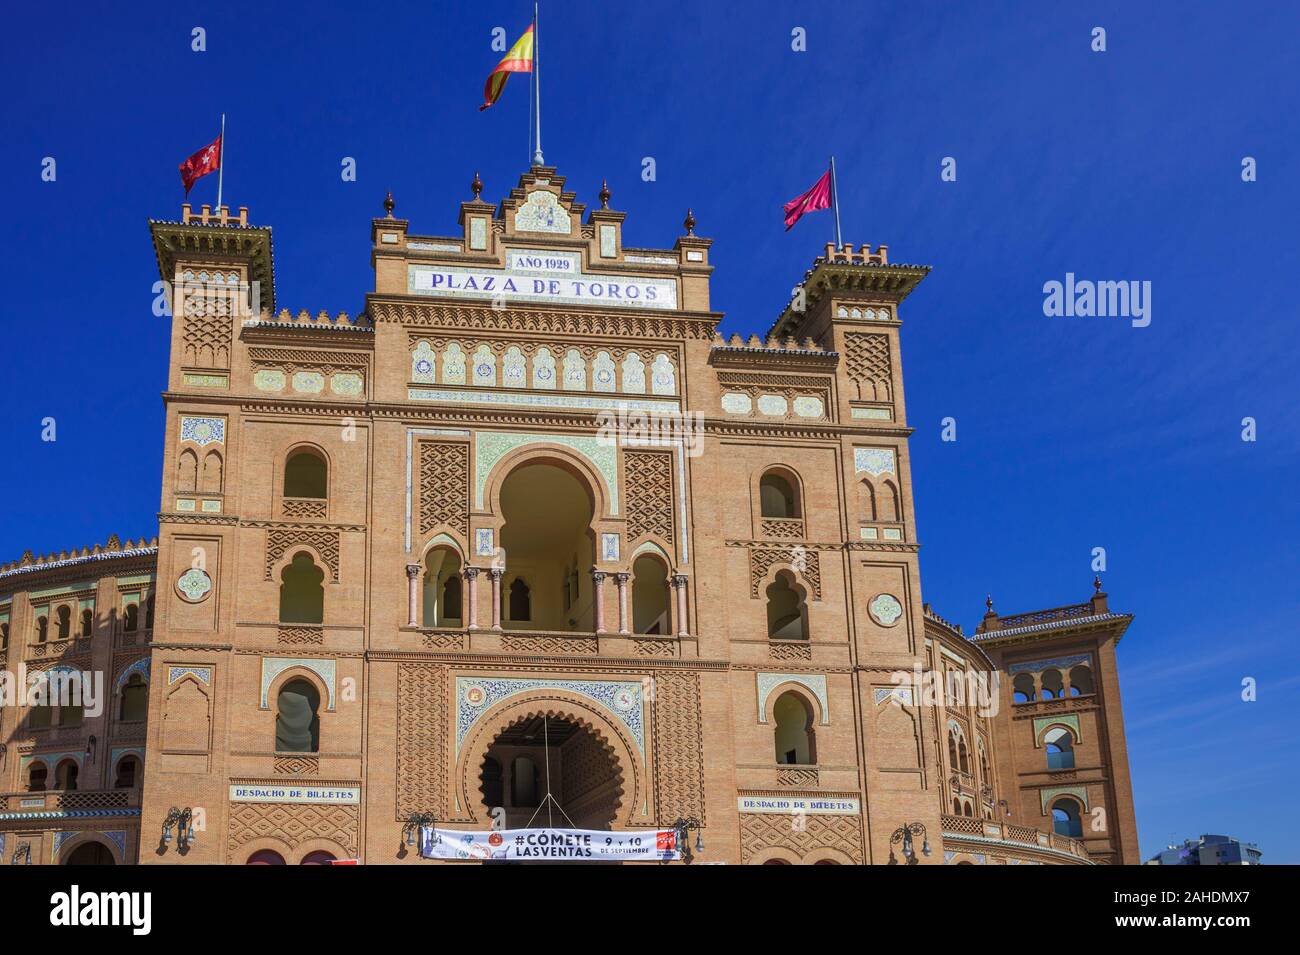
(684, 825)
(905, 834)
(414, 823)
(183, 821)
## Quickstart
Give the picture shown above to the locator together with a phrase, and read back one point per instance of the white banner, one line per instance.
(550, 845)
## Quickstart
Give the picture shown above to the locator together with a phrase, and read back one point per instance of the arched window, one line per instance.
(441, 588)
(187, 470)
(1053, 685)
(956, 806)
(649, 596)
(984, 762)
(794, 733)
(134, 705)
(493, 786)
(777, 496)
(87, 622)
(42, 629)
(1081, 681)
(451, 597)
(520, 600)
(297, 722)
(148, 613)
(1060, 748)
(523, 782)
(958, 754)
(4, 636)
(787, 614)
(306, 475)
(36, 777)
(866, 501)
(1022, 688)
(302, 598)
(319, 857)
(65, 776)
(265, 857)
(968, 809)
(1065, 819)
(131, 618)
(128, 771)
(64, 617)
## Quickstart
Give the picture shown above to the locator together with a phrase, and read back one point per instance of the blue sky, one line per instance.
(1072, 433)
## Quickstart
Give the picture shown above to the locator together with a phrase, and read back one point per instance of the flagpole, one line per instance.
(537, 83)
(835, 202)
(221, 162)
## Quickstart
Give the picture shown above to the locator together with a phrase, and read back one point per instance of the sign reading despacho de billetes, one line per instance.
(347, 795)
(559, 287)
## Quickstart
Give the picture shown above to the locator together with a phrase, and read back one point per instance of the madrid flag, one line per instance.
(519, 59)
(206, 160)
(818, 197)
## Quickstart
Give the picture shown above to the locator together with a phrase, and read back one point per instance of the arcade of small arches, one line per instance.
(1052, 683)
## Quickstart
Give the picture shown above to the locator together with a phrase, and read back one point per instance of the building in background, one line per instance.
(528, 521)
(1209, 850)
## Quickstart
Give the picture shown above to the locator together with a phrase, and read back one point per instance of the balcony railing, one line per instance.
(1025, 835)
(70, 800)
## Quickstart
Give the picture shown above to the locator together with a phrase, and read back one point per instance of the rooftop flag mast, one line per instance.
(835, 201)
(537, 85)
(221, 162)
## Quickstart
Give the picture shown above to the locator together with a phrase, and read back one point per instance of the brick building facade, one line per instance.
(528, 518)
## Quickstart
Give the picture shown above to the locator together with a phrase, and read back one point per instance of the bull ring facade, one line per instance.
(528, 524)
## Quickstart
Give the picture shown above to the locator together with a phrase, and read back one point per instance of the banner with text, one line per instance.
(550, 845)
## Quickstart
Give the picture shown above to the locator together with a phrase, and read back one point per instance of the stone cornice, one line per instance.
(174, 241)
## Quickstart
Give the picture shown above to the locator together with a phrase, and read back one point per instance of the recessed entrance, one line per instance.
(537, 751)
(90, 853)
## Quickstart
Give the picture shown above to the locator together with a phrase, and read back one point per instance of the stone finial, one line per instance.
(389, 205)
(476, 186)
(689, 221)
(1096, 584)
(604, 194)
(988, 602)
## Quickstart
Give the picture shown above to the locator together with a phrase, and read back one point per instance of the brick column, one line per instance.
(495, 575)
(412, 595)
(621, 579)
(471, 576)
(598, 599)
(679, 584)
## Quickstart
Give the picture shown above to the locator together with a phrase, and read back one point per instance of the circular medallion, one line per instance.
(424, 366)
(885, 609)
(604, 376)
(624, 699)
(194, 585)
(475, 695)
(484, 370)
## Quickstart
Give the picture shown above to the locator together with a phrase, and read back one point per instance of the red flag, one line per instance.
(206, 160)
(818, 197)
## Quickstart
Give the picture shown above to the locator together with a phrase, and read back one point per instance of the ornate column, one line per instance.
(679, 584)
(471, 577)
(412, 595)
(495, 575)
(621, 579)
(598, 599)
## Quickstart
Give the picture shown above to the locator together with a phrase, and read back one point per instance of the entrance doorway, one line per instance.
(90, 853)
(540, 754)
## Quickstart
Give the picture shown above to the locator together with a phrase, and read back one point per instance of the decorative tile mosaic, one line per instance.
(773, 405)
(269, 379)
(308, 382)
(609, 546)
(903, 694)
(583, 402)
(1071, 720)
(541, 212)
(806, 406)
(484, 546)
(813, 682)
(608, 241)
(202, 674)
(621, 699)
(491, 446)
(202, 430)
(346, 383)
(737, 402)
(140, 666)
(272, 667)
(885, 609)
(874, 461)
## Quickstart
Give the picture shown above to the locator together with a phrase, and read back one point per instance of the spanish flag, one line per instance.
(519, 59)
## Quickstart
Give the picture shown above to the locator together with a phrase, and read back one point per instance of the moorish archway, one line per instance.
(594, 775)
